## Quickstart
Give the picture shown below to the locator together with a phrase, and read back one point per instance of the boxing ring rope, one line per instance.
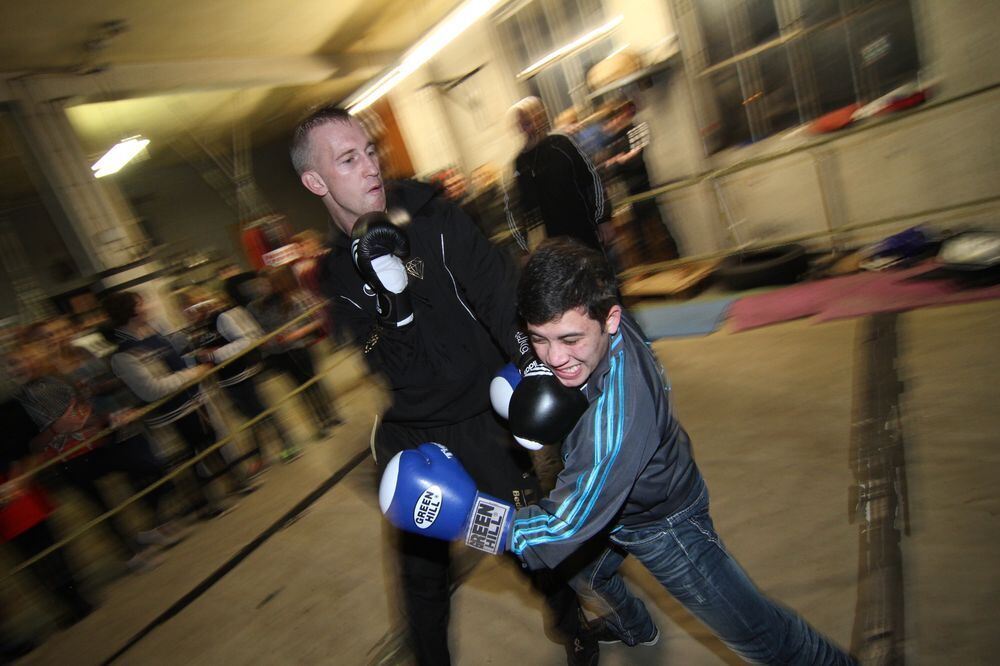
(180, 468)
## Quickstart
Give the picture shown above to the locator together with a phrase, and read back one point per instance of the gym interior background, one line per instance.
(731, 95)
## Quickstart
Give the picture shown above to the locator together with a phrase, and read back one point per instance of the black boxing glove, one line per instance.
(378, 248)
(539, 408)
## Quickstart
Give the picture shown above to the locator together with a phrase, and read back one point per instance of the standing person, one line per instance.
(426, 326)
(288, 352)
(131, 451)
(630, 485)
(68, 422)
(153, 369)
(557, 182)
(222, 332)
(25, 508)
(627, 162)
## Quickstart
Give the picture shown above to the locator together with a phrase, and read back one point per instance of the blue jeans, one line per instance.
(688, 558)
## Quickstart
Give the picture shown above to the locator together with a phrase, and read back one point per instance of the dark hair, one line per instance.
(563, 274)
(299, 147)
(121, 306)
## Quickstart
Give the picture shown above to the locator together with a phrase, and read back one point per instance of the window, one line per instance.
(534, 29)
(761, 66)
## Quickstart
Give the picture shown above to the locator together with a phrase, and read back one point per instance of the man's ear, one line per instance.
(613, 320)
(314, 183)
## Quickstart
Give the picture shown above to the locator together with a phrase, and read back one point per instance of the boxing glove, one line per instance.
(378, 248)
(539, 409)
(427, 491)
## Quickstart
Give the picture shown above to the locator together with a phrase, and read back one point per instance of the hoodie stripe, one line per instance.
(572, 514)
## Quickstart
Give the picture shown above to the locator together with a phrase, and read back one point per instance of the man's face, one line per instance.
(345, 172)
(57, 331)
(574, 344)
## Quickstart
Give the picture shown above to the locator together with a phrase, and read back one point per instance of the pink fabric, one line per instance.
(852, 296)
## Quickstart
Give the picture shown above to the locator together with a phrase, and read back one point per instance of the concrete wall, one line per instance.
(44, 249)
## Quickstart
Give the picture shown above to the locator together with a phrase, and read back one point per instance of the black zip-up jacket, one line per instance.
(463, 291)
(627, 462)
(558, 180)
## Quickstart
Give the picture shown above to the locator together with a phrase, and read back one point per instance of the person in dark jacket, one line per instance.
(557, 182)
(630, 485)
(221, 332)
(153, 367)
(25, 510)
(438, 363)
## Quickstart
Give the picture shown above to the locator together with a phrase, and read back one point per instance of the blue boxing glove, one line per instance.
(427, 491)
(538, 407)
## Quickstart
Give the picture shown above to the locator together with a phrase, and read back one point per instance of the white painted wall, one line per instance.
(423, 123)
(930, 160)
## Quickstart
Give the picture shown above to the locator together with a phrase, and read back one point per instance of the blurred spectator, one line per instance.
(223, 332)
(68, 423)
(113, 403)
(590, 135)
(238, 284)
(557, 182)
(152, 366)
(311, 252)
(626, 162)
(24, 515)
(487, 202)
(288, 352)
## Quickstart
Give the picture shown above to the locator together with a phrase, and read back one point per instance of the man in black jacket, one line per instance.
(430, 322)
(557, 182)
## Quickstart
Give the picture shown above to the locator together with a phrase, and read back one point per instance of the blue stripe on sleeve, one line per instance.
(573, 512)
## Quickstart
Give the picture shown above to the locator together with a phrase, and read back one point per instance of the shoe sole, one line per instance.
(650, 643)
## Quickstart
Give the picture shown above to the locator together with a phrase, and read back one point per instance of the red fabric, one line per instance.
(254, 246)
(852, 296)
(306, 272)
(28, 508)
(834, 120)
(905, 103)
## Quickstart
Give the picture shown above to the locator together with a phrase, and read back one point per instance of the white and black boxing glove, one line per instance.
(426, 491)
(539, 409)
(378, 248)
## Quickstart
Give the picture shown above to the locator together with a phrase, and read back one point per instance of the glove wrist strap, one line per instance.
(489, 524)
(395, 309)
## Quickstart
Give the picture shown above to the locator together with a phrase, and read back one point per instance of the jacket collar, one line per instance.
(599, 377)
(410, 195)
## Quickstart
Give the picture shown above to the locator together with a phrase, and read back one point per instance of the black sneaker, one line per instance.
(604, 634)
(583, 650)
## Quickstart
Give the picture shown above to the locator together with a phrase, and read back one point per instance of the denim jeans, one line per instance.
(688, 558)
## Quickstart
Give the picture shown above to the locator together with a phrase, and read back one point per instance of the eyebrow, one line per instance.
(370, 144)
(571, 334)
(347, 152)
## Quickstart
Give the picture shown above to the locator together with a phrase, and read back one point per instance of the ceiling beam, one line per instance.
(156, 78)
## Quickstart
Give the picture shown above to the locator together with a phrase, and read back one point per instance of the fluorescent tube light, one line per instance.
(120, 154)
(426, 48)
(580, 42)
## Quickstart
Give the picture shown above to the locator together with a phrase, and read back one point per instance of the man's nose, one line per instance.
(557, 356)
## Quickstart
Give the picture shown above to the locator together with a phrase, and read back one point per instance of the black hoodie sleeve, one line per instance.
(486, 275)
(386, 349)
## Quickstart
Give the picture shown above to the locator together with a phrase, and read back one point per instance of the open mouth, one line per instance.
(570, 372)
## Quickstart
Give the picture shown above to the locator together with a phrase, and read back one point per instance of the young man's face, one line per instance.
(344, 171)
(574, 344)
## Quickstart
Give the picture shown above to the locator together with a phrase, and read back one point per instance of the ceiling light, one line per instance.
(426, 48)
(120, 154)
(575, 45)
